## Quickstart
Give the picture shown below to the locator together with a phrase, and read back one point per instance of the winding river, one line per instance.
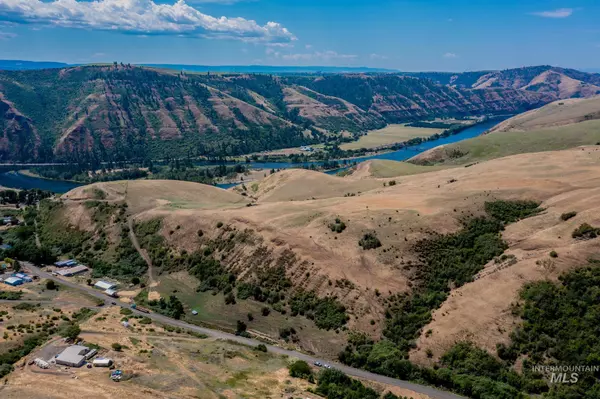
(14, 179)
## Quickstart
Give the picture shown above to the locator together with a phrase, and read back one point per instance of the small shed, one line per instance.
(102, 362)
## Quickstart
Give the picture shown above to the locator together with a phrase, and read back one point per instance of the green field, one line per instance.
(213, 312)
(389, 135)
(385, 168)
(502, 144)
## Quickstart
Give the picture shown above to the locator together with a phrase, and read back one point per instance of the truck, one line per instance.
(140, 308)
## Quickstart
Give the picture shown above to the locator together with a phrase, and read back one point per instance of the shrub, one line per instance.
(369, 241)
(338, 226)
(392, 183)
(300, 369)
(71, 331)
(585, 231)
(568, 215)
(117, 347)
(126, 311)
(219, 225)
(261, 348)
(265, 311)
(553, 254)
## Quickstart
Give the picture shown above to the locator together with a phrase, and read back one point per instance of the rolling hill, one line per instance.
(123, 112)
(305, 259)
(560, 125)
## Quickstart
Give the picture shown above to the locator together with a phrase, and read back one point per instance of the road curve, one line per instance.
(432, 392)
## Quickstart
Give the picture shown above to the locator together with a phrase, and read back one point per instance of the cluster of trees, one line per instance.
(23, 197)
(172, 308)
(328, 313)
(8, 358)
(585, 231)
(267, 285)
(451, 259)
(560, 326)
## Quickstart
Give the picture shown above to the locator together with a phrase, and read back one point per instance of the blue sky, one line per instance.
(451, 35)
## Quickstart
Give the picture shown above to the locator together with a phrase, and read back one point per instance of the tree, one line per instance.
(117, 347)
(300, 369)
(51, 285)
(135, 280)
(72, 331)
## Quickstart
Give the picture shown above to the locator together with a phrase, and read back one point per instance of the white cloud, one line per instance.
(378, 57)
(7, 35)
(98, 55)
(558, 13)
(450, 55)
(308, 46)
(140, 17)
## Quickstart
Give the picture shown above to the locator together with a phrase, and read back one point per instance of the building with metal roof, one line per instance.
(66, 263)
(14, 281)
(102, 362)
(103, 285)
(73, 356)
(72, 271)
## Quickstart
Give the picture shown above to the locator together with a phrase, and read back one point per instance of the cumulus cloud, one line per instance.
(450, 55)
(558, 13)
(141, 17)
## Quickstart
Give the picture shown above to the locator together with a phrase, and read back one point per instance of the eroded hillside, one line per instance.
(90, 113)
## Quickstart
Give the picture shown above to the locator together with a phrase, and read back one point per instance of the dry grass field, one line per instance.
(292, 209)
(161, 364)
(389, 135)
(558, 113)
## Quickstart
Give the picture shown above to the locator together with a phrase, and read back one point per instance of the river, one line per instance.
(14, 179)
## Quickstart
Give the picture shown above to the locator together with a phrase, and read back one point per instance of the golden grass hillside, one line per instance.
(557, 126)
(558, 113)
(286, 227)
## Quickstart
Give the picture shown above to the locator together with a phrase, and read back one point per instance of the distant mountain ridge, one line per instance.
(561, 82)
(122, 112)
(269, 69)
(17, 65)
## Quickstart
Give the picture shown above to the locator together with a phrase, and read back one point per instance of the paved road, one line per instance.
(427, 390)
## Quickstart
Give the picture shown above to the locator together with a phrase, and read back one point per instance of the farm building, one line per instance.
(103, 285)
(14, 281)
(112, 293)
(73, 356)
(102, 362)
(72, 271)
(66, 263)
(23, 277)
